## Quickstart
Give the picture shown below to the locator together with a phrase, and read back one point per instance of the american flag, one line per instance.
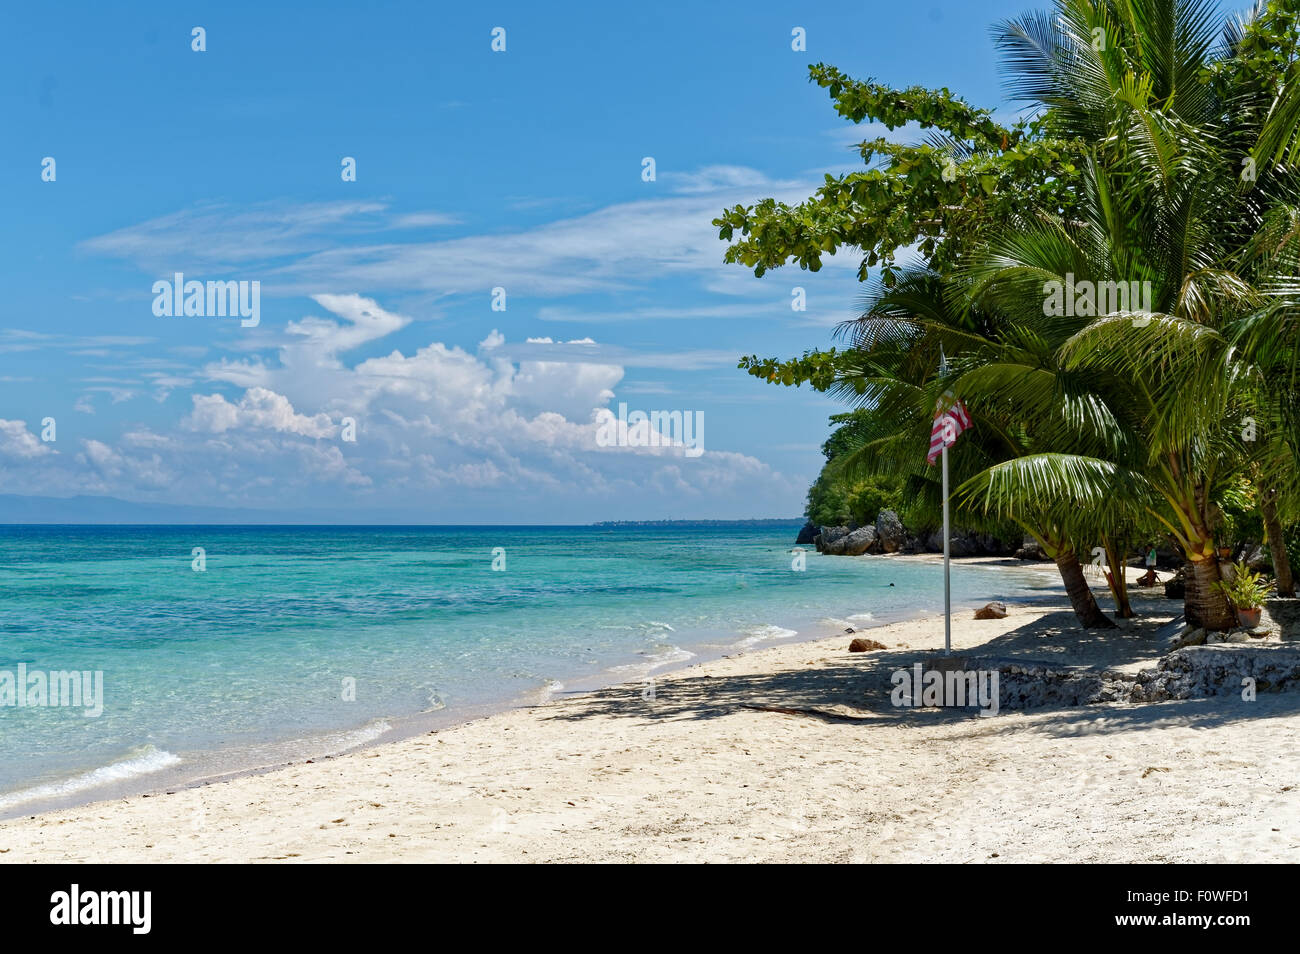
(950, 419)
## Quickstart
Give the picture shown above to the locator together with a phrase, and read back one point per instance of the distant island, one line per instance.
(765, 522)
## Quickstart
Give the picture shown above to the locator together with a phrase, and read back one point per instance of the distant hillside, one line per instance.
(766, 522)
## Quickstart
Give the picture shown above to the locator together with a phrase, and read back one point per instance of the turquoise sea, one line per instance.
(248, 662)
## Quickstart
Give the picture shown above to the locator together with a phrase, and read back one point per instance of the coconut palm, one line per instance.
(893, 368)
(1166, 206)
(1270, 337)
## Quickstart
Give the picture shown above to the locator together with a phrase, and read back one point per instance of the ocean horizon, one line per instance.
(224, 648)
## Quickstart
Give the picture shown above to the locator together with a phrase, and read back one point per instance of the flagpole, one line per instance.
(947, 591)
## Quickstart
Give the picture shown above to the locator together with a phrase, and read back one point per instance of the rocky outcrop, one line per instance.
(1219, 670)
(1028, 684)
(995, 610)
(890, 532)
(888, 535)
(1257, 558)
(828, 537)
(841, 541)
(858, 542)
(1031, 549)
(1032, 686)
(967, 543)
(1190, 673)
(807, 534)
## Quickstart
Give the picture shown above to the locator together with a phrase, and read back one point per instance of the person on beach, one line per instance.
(1150, 579)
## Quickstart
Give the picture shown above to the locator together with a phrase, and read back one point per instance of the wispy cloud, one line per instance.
(616, 248)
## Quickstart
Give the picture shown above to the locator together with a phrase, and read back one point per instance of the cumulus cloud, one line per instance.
(111, 469)
(259, 408)
(255, 417)
(17, 441)
(435, 418)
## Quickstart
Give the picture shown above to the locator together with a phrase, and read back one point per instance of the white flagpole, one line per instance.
(947, 589)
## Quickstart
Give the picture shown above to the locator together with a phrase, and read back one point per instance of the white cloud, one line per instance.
(216, 235)
(610, 249)
(259, 408)
(17, 441)
(519, 416)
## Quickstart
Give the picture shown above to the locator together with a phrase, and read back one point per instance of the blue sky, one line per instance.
(475, 170)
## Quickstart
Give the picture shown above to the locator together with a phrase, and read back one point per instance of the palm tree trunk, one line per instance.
(1117, 579)
(1276, 543)
(1204, 604)
(1081, 598)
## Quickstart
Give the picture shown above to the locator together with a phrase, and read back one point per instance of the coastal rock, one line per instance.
(861, 645)
(990, 545)
(1183, 674)
(807, 534)
(1031, 549)
(964, 544)
(1219, 670)
(1027, 684)
(995, 610)
(1232, 636)
(889, 531)
(829, 537)
(858, 542)
(1257, 558)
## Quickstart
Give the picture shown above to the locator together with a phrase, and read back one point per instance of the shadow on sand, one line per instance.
(853, 690)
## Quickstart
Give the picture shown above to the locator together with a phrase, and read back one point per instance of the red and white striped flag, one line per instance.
(950, 419)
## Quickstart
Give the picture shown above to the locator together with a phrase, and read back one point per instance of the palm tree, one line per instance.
(1167, 379)
(1166, 207)
(892, 368)
(1270, 337)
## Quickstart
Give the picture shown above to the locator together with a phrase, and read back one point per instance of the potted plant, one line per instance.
(1246, 591)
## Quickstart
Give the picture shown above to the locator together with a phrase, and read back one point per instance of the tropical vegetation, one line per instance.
(1111, 285)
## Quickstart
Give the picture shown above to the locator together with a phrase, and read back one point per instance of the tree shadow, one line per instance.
(853, 689)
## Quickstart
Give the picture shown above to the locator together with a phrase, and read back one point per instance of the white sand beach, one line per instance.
(696, 774)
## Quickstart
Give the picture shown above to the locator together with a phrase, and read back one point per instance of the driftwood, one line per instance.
(843, 713)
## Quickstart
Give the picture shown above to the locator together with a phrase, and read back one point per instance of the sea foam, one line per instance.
(142, 761)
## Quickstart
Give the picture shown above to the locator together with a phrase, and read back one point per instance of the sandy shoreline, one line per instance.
(693, 773)
(198, 768)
